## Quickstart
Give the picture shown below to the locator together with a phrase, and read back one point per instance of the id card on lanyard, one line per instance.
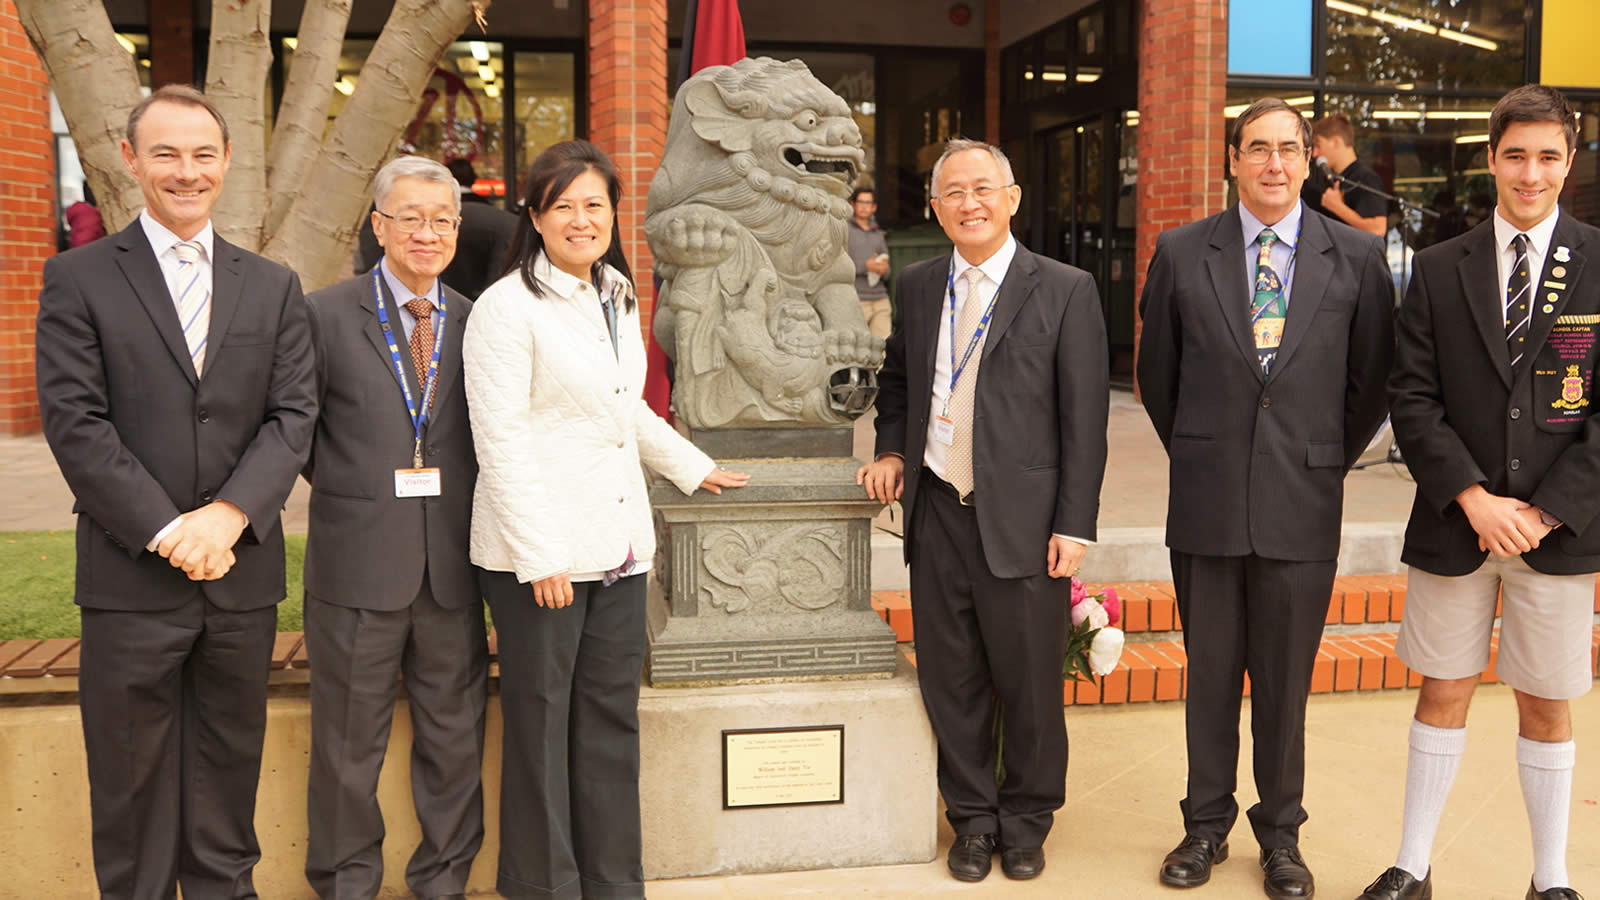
(415, 481)
(944, 427)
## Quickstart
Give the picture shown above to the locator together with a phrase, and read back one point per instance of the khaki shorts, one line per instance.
(878, 314)
(1546, 627)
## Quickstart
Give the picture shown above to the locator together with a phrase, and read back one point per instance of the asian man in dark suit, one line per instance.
(1264, 398)
(390, 590)
(991, 427)
(1491, 400)
(177, 391)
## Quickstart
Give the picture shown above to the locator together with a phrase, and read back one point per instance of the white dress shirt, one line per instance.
(165, 246)
(994, 272)
(1538, 248)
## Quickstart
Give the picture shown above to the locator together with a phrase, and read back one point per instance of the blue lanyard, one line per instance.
(1288, 271)
(419, 418)
(977, 335)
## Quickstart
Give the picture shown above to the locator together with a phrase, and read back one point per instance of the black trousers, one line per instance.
(174, 707)
(1261, 616)
(357, 659)
(980, 638)
(569, 695)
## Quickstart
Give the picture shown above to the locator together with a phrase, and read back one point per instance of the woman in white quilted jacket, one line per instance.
(561, 526)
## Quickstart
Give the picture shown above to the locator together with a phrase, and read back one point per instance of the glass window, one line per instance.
(1269, 37)
(1089, 59)
(1425, 44)
(545, 110)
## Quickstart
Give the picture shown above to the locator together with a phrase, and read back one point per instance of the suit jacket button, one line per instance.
(1266, 402)
(205, 496)
(1516, 412)
(1516, 464)
(204, 417)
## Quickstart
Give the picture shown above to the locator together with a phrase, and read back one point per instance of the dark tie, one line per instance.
(1519, 293)
(421, 337)
(1267, 309)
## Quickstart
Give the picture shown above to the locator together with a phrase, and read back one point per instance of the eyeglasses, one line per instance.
(983, 192)
(440, 225)
(1257, 155)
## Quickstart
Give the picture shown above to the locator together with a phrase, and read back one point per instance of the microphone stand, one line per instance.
(1406, 206)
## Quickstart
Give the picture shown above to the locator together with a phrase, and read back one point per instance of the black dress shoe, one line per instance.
(1022, 863)
(1398, 884)
(1555, 893)
(1189, 864)
(1287, 875)
(971, 856)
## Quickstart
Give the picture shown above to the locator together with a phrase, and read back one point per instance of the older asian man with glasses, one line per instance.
(391, 592)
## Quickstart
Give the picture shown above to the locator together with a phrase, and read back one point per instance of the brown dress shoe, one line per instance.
(1398, 884)
(971, 856)
(1189, 864)
(1287, 875)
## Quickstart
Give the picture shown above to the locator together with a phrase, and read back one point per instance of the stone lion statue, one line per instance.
(746, 219)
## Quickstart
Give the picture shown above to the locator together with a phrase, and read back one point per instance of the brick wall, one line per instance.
(1183, 51)
(628, 112)
(28, 229)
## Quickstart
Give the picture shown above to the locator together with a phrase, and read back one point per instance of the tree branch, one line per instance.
(303, 114)
(97, 86)
(236, 81)
(325, 214)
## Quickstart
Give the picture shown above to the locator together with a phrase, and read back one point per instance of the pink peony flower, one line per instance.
(1080, 592)
(1106, 650)
(1092, 612)
(1113, 605)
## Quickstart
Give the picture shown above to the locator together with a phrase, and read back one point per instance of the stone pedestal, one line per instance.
(769, 582)
(890, 811)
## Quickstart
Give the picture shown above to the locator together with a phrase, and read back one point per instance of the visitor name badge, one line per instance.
(417, 483)
(944, 430)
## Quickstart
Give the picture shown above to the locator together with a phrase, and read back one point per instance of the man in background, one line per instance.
(1350, 198)
(870, 254)
(485, 237)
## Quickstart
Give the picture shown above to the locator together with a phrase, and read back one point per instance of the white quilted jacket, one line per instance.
(561, 427)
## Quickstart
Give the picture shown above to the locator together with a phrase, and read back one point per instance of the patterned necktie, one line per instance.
(421, 337)
(958, 461)
(194, 302)
(1519, 290)
(1267, 309)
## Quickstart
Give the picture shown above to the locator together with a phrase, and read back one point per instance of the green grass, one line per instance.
(36, 570)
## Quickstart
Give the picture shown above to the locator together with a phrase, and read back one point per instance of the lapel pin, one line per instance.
(1563, 254)
(1548, 308)
(1559, 271)
(1552, 296)
(1558, 285)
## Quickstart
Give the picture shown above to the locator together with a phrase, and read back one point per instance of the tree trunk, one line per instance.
(236, 79)
(402, 61)
(97, 86)
(303, 114)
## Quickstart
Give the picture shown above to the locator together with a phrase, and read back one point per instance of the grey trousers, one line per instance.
(569, 693)
(357, 659)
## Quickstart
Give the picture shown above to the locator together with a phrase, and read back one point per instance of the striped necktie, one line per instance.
(1519, 291)
(194, 302)
(958, 460)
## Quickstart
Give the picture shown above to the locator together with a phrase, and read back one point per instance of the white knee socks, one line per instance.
(1431, 768)
(1545, 770)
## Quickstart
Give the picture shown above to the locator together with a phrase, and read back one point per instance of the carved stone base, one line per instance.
(769, 582)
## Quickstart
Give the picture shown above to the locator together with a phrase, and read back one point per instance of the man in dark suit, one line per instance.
(992, 431)
(177, 390)
(1264, 398)
(390, 589)
(1491, 400)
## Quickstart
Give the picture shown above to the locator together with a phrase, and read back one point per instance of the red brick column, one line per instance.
(1183, 54)
(628, 112)
(28, 230)
(172, 43)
